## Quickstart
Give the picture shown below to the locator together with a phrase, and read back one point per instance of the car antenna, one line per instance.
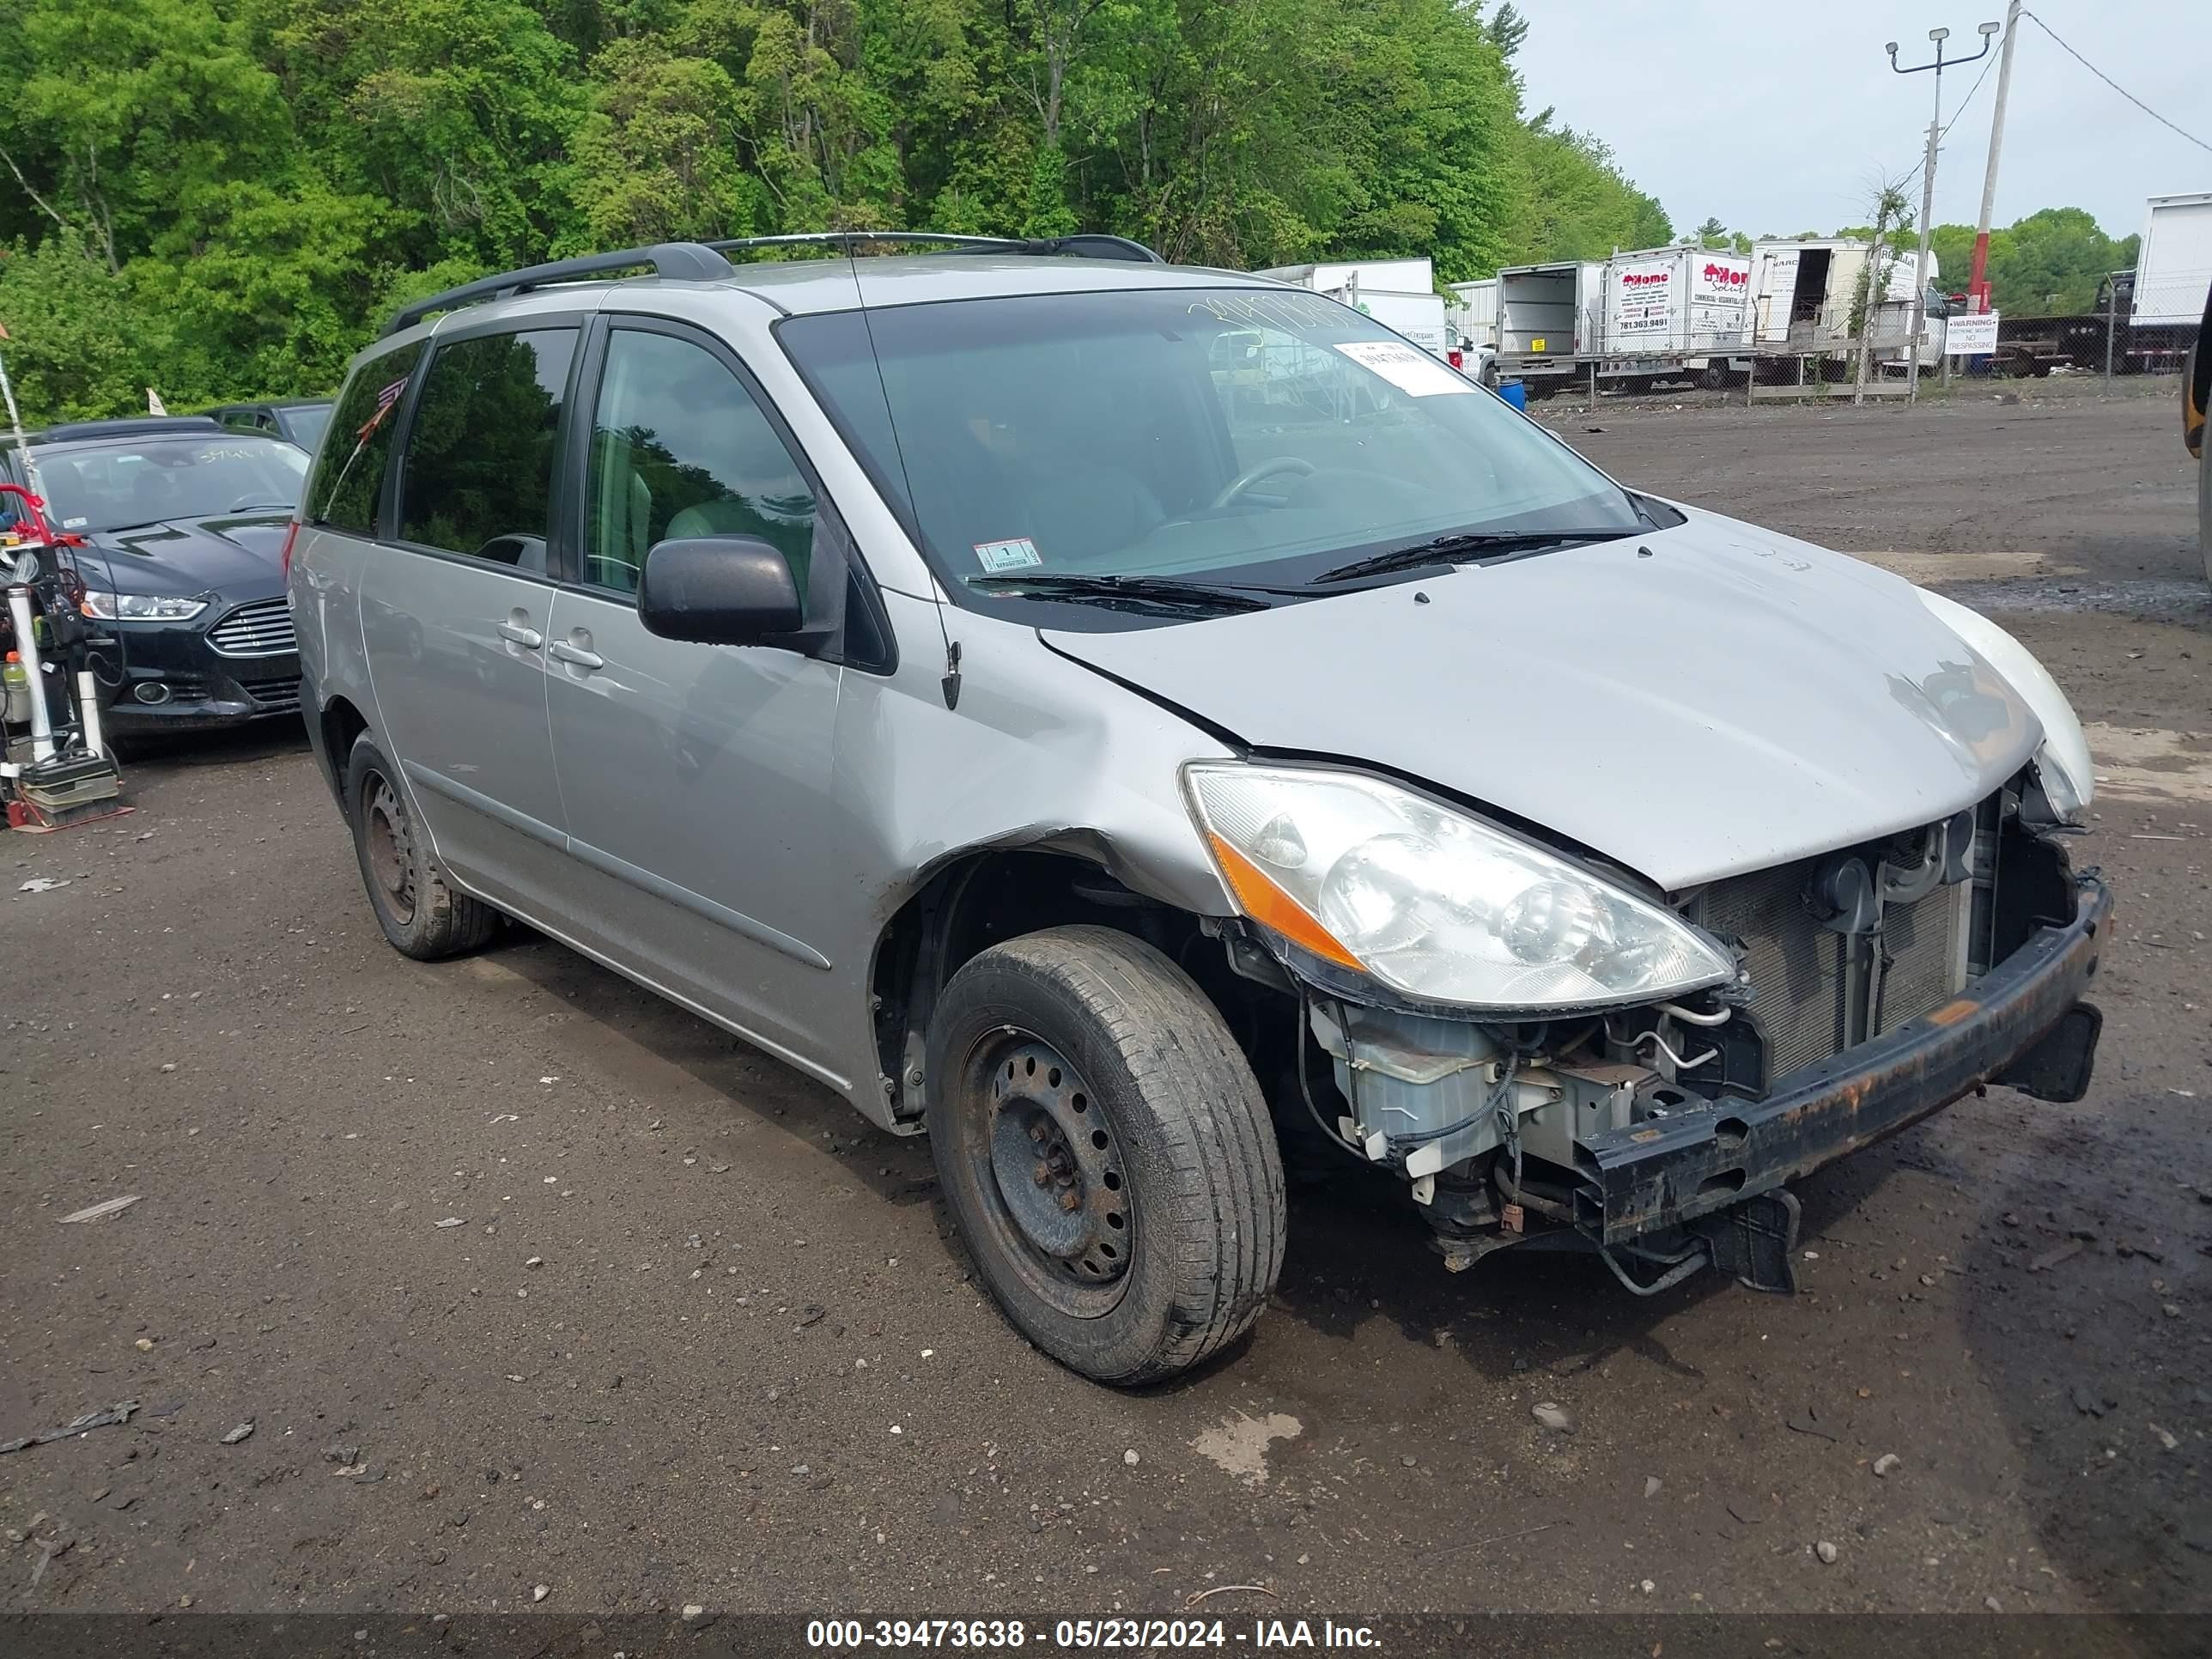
(950, 683)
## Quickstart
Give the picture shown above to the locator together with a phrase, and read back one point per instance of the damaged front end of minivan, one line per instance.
(1551, 1053)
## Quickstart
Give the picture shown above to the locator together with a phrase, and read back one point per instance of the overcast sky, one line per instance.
(1779, 115)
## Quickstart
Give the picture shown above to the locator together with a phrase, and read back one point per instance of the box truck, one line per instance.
(2174, 267)
(1653, 314)
(1801, 295)
(1673, 300)
(1398, 294)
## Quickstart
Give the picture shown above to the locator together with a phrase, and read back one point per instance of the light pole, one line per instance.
(1978, 282)
(1927, 186)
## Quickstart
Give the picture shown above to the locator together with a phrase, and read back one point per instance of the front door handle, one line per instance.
(562, 651)
(528, 637)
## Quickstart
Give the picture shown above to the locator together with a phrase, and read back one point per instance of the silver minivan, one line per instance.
(1152, 729)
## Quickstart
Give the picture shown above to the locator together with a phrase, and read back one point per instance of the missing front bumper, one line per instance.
(2023, 1023)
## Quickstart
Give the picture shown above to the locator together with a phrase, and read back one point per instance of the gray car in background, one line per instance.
(1150, 726)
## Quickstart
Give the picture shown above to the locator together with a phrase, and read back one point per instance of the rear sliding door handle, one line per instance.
(562, 651)
(528, 637)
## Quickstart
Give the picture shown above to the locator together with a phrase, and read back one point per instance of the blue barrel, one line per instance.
(1515, 393)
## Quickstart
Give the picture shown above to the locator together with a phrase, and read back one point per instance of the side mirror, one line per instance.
(717, 590)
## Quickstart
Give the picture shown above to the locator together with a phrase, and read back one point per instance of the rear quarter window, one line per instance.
(357, 447)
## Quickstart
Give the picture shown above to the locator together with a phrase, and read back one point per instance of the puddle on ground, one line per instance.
(2159, 599)
(2013, 579)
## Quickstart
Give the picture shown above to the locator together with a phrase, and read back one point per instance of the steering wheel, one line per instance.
(1252, 475)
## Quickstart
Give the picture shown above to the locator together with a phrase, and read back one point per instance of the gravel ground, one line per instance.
(520, 1278)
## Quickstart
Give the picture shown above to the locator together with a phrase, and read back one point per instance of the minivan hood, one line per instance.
(1693, 703)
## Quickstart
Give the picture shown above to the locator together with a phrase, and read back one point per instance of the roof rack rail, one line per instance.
(1087, 244)
(683, 261)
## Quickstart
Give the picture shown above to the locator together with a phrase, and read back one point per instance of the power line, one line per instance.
(2115, 85)
(1965, 102)
(1913, 172)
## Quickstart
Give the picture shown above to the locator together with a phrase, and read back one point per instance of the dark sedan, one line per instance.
(298, 421)
(184, 525)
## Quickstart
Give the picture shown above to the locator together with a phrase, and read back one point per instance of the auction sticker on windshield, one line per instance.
(1016, 554)
(1407, 368)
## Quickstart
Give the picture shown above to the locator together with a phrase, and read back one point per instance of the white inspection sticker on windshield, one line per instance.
(1407, 368)
(1016, 555)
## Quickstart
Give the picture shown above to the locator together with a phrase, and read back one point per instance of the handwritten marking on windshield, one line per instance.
(1289, 310)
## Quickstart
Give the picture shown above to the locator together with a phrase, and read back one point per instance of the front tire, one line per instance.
(422, 916)
(1105, 1152)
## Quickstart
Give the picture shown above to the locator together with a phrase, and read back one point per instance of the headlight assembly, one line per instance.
(1432, 903)
(138, 607)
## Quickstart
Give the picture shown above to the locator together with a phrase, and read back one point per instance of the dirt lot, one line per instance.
(700, 1337)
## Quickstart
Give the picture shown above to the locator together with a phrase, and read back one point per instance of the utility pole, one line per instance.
(1928, 188)
(1978, 282)
(1927, 215)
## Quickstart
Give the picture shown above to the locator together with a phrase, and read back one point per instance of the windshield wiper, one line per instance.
(1166, 591)
(1469, 546)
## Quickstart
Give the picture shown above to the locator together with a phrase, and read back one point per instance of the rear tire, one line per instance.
(1105, 1152)
(421, 915)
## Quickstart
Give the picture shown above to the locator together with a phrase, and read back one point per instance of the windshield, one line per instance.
(304, 423)
(118, 486)
(1231, 434)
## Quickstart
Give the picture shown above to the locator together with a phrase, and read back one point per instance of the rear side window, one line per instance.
(357, 446)
(480, 447)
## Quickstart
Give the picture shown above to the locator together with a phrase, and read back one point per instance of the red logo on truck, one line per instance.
(1726, 276)
(1642, 278)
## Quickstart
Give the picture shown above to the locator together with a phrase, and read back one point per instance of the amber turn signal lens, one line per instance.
(1271, 907)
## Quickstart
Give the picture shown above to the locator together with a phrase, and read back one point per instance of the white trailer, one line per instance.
(2173, 267)
(1398, 294)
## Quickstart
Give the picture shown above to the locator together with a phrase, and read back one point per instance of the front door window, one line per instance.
(679, 449)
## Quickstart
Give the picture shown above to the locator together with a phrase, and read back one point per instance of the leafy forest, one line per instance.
(223, 198)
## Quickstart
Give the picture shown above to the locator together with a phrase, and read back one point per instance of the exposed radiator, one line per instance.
(1804, 987)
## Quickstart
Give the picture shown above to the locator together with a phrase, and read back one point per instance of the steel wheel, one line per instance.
(390, 851)
(421, 913)
(1061, 1198)
(1104, 1151)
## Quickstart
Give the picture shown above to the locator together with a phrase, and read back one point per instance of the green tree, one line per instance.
(2048, 264)
(1507, 29)
(221, 197)
(1578, 206)
(78, 347)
